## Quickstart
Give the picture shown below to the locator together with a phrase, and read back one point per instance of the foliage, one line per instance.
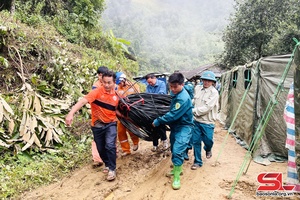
(37, 121)
(169, 35)
(8, 123)
(42, 75)
(260, 28)
(3, 61)
(289, 28)
(86, 11)
(53, 70)
(74, 19)
(30, 169)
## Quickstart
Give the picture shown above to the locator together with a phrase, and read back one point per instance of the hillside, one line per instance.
(169, 35)
(42, 73)
(45, 52)
(38, 62)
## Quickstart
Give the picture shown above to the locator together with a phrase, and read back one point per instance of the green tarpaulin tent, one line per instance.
(263, 77)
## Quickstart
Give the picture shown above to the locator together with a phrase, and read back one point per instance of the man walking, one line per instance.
(205, 112)
(180, 120)
(96, 157)
(124, 89)
(103, 102)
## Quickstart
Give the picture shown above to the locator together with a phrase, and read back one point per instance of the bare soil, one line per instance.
(141, 176)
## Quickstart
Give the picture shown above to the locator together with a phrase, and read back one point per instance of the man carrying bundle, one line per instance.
(124, 89)
(156, 86)
(180, 120)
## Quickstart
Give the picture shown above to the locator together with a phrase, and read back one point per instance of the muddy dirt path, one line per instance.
(141, 176)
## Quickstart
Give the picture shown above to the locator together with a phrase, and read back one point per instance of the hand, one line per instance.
(119, 114)
(69, 119)
(153, 125)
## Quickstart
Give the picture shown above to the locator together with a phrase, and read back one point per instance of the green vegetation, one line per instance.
(170, 35)
(50, 50)
(261, 28)
(49, 54)
(30, 169)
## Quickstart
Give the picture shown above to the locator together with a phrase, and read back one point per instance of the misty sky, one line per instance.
(170, 33)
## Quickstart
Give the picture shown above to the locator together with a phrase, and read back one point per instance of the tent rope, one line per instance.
(264, 121)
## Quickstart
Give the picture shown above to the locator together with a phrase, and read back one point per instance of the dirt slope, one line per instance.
(141, 176)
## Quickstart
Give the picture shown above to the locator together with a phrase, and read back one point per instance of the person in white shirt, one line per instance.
(205, 112)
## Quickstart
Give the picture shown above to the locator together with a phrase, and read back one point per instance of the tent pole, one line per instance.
(233, 121)
(266, 117)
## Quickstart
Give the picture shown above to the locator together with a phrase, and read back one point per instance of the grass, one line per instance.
(29, 170)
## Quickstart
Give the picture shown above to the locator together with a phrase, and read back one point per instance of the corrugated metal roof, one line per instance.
(192, 74)
(197, 72)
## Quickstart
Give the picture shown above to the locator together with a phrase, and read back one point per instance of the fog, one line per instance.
(167, 35)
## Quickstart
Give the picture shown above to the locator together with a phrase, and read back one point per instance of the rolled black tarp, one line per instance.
(140, 109)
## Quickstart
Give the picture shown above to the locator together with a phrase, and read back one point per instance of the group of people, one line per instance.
(191, 118)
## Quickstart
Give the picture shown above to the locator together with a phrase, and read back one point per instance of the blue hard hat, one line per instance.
(209, 75)
(120, 76)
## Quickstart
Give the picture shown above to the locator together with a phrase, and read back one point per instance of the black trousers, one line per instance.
(159, 132)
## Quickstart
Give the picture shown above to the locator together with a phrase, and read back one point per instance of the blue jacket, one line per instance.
(189, 88)
(180, 111)
(158, 88)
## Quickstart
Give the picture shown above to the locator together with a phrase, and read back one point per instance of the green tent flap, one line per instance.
(265, 74)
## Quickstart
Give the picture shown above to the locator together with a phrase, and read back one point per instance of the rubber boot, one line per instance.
(171, 173)
(176, 180)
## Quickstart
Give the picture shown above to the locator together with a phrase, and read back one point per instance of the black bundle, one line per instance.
(139, 110)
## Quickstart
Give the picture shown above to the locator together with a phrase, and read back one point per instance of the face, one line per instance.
(175, 87)
(122, 83)
(151, 81)
(207, 83)
(108, 83)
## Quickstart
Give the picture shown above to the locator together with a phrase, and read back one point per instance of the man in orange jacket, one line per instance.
(96, 157)
(123, 89)
(103, 101)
